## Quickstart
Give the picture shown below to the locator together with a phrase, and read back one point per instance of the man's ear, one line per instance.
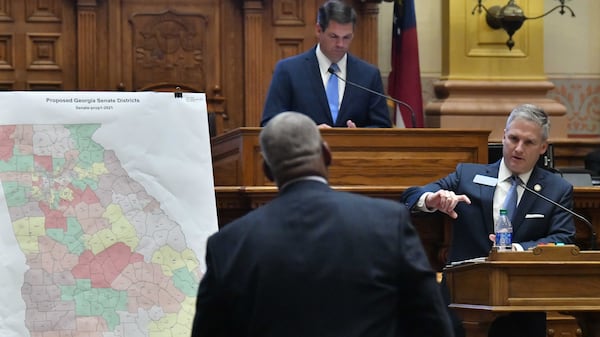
(318, 29)
(267, 171)
(326, 153)
(544, 148)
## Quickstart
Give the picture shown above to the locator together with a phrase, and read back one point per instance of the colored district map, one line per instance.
(103, 258)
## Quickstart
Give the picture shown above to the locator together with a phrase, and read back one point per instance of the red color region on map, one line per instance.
(104, 267)
(44, 161)
(54, 218)
(7, 143)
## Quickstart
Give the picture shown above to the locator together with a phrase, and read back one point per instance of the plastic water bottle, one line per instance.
(503, 231)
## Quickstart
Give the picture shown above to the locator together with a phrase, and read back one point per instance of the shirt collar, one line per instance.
(324, 63)
(313, 178)
(504, 173)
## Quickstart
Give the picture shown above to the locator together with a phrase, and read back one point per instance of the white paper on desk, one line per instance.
(473, 260)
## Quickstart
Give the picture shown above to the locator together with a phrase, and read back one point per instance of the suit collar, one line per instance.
(352, 73)
(316, 82)
(487, 195)
(537, 177)
(305, 178)
(325, 63)
(504, 173)
(309, 182)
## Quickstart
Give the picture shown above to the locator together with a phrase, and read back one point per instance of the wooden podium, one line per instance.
(361, 156)
(547, 278)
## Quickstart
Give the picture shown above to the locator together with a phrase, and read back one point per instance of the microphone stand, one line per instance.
(412, 112)
(586, 221)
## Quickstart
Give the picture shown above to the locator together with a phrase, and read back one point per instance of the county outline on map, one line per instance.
(103, 258)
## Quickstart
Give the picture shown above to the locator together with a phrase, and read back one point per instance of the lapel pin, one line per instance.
(537, 187)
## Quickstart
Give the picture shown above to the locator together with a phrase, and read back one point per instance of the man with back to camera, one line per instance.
(303, 83)
(474, 193)
(314, 261)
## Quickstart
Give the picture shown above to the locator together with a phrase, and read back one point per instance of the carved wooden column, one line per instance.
(365, 44)
(482, 80)
(254, 12)
(86, 44)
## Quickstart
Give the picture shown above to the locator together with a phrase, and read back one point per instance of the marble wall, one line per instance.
(571, 57)
(581, 97)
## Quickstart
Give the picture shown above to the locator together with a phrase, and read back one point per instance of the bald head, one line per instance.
(292, 147)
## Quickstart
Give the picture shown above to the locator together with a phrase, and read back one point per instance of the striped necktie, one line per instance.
(510, 202)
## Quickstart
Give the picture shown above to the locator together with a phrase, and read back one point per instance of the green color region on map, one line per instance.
(185, 281)
(72, 238)
(90, 301)
(15, 193)
(90, 152)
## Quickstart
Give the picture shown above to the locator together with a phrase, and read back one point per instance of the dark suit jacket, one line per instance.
(297, 86)
(545, 223)
(316, 262)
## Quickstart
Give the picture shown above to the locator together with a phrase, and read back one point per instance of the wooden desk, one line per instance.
(434, 229)
(549, 278)
(361, 156)
(570, 152)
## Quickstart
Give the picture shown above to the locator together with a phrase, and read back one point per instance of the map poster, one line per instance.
(106, 202)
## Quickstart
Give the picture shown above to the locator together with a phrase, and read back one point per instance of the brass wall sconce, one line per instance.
(511, 17)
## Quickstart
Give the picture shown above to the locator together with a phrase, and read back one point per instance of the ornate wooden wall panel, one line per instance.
(169, 43)
(7, 58)
(36, 45)
(160, 45)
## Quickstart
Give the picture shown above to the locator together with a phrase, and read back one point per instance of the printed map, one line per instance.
(103, 258)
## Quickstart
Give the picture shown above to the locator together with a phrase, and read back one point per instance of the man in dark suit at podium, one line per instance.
(314, 261)
(473, 194)
(303, 83)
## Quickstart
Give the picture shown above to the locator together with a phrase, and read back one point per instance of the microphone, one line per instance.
(412, 112)
(586, 221)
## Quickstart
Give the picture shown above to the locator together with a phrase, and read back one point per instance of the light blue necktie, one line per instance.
(333, 95)
(510, 202)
